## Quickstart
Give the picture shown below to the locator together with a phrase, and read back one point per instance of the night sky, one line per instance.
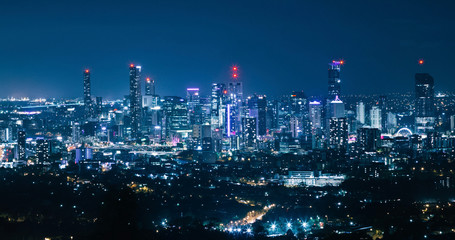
(279, 46)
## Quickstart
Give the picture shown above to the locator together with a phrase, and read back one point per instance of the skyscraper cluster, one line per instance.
(226, 120)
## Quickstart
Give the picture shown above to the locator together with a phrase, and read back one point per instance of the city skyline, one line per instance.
(227, 120)
(287, 44)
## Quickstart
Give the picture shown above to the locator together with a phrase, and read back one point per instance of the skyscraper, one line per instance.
(149, 87)
(369, 139)
(249, 133)
(298, 102)
(88, 105)
(376, 117)
(382, 103)
(234, 108)
(135, 100)
(315, 109)
(424, 103)
(21, 155)
(334, 79)
(99, 106)
(194, 106)
(338, 133)
(176, 114)
(336, 108)
(257, 107)
(217, 106)
(360, 113)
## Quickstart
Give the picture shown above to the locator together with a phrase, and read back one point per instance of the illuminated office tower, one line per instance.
(295, 126)
(135, 100)
(88, 104)
(315, 109)
(176, 116)
(334, 79)
(382, 104)
(298, 102)
(338, 133)
(360, 113)
(21, 140)
(369, 139)
(391, 121)
(249, 133)
(150, 100)
(194, 105)
(42, 150)
(424, 103)
(336, 108)
(376, 117)
(257, 108)
(149, 87)
(234, 106)
(218, 106)
(99, 106)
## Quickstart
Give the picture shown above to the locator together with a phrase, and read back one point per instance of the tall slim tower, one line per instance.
(315, 112)
(360, 113)
(135, 100)
(21, 140)
(149, 87)
(88, 105)
(194, 105)
(424, 102)
(376, 117)
(334, 79)
(233, 108)
(217, 106)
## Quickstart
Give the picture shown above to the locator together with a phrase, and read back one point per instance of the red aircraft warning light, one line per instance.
(420, 61)
(234, 68)
(148, 79)
(234, 75)
(86, 70)
(131, 65)
(342, 62)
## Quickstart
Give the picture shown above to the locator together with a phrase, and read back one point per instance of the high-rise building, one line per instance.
(150, 99)
(376, 117)
(88, 104)
(424, 103)
(149, 87)
(257, 108)
(42, 150)
(176, 115)
(21, 140)
(369, 139)
(99, 106)
(334, 79)
(135, 100)
(360, 113)
(295, 126)
(336, 108)
(315, 109)
(194, 105)
(249, 131)
(218, 106)
(234, 108)
(298, 102)
(382, 104)
(391, 121)
(452, 123)
(338, 133)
